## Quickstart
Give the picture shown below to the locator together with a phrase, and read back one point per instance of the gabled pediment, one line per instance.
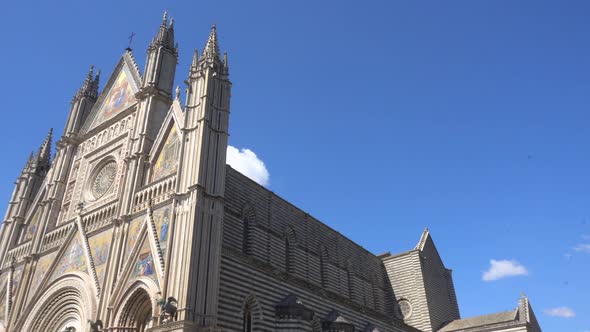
(73, 259)
(164, 154)
(143, 256)
(118, 94)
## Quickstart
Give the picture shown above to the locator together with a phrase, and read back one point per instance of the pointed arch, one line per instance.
(324, 267)
(290, 250)
(316, 325)
(251, 314)
(249, 229)
(69, 301)
(137, 307)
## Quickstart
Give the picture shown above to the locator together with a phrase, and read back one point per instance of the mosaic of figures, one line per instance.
(72, 260)
(100, 246)
(120, 96)
(161, 218)
(16, 279)
(167, 161)
(144, 264)
(133, 233)
(32, 226)
(41, 270)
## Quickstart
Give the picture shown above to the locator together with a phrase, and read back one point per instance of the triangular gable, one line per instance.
(73, 259)
(427, 247)
(144, 265)
(139, 261)
(117, 96)
(164, 153)
(100, 247)
(166, 162)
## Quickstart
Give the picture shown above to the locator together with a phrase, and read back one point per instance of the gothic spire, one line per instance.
(165, 36)
(211, 50)
(88, 79)
(28, 163)
(90, 86)
(44, 153)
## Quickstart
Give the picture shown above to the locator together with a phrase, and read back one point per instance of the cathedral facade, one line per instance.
(138, 224)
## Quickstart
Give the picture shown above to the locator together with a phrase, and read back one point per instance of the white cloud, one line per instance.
(563, 312)
(584, 247)
(502, 269)
(246, 162)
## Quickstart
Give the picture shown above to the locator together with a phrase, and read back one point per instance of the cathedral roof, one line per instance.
(479, 321)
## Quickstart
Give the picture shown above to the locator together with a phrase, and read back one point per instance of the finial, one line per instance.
(225, 63)
(165, 17)
(171, 23)
(178, 92)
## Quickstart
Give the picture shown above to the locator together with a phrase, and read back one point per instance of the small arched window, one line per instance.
(247, 319)
(249, 227)
(290, 245)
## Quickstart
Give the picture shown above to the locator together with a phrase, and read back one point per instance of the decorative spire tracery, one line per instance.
(165, 36)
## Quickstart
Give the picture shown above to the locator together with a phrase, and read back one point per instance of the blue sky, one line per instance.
(378, 117)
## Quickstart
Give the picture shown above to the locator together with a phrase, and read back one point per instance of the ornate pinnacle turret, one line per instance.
(28, 163)
(195, 62)
(89, 87)
(44, 153)
(165, 35)
(88, 79)
(95, 84)
(211, 51)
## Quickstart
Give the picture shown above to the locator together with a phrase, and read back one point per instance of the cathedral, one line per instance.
(137, 224)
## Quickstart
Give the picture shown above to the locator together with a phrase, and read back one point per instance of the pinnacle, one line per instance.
(89, 75)
(195, 59)
(211, 50)
(44, 154)
(165, 35)
(29, 162)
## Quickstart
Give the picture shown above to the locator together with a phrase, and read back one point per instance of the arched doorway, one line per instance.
(68, 303)
(136, 314)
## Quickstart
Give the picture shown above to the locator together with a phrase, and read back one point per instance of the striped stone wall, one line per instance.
(274, 232)
(244, 282)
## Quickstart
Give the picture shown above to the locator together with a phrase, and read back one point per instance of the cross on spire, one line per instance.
(130, 41)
